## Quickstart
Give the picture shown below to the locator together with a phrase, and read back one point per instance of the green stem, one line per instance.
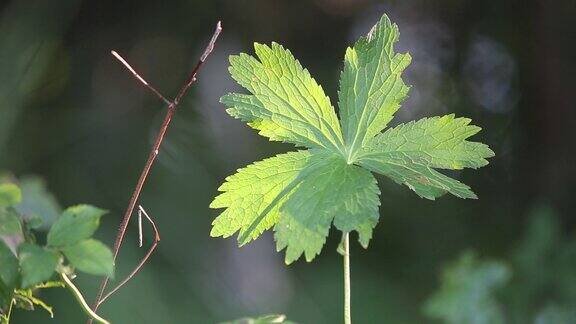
(78, 295)
(347, 310)
(9, 314)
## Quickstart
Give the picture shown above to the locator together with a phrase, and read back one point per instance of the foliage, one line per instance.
(467, 292)
(541, 288)
(544, 282)
(301, 194)
(28, 266)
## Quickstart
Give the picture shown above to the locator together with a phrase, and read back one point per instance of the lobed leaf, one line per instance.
(302, 193)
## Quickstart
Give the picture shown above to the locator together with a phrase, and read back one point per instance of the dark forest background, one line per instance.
(70, 114)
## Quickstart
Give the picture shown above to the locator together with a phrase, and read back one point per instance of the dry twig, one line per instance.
(172, 105)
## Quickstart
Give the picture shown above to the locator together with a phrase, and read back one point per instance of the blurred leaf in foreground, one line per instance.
(10, 194)
(544, 262)
(467, 293)
(554, 314)
(266, 319)
(38, 204)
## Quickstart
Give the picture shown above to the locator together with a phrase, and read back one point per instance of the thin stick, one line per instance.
(139, 78)
(144, 259)
(155, 148)
(78, 295)
(347, 310)
(140, 234)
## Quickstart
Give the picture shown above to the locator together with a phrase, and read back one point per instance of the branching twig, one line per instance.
(172, 105)
(141, 212)
(139, 78)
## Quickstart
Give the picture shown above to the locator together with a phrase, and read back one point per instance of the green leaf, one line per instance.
(286, 102)
(467, 292)
(77, 223)
(91, 256)
(302, 194)
(9, 222)
(371, 88)
(266, 319)
(10, 194)
(37, 264)
(8, 273)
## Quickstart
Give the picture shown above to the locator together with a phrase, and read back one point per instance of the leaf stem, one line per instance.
(9, 311)
(78, 295)
(346, 254)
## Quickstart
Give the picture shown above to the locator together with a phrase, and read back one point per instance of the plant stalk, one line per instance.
(346, 254)
(78, 295)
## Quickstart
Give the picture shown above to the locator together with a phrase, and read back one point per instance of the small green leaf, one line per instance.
(91, 256)
(37, 264)
(77, 223)
(10, 194)
(9, 222)
(8, 273)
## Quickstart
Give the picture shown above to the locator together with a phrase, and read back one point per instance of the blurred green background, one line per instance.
(72, 115)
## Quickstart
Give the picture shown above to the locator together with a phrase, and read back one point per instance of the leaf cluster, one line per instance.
(27, 265)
